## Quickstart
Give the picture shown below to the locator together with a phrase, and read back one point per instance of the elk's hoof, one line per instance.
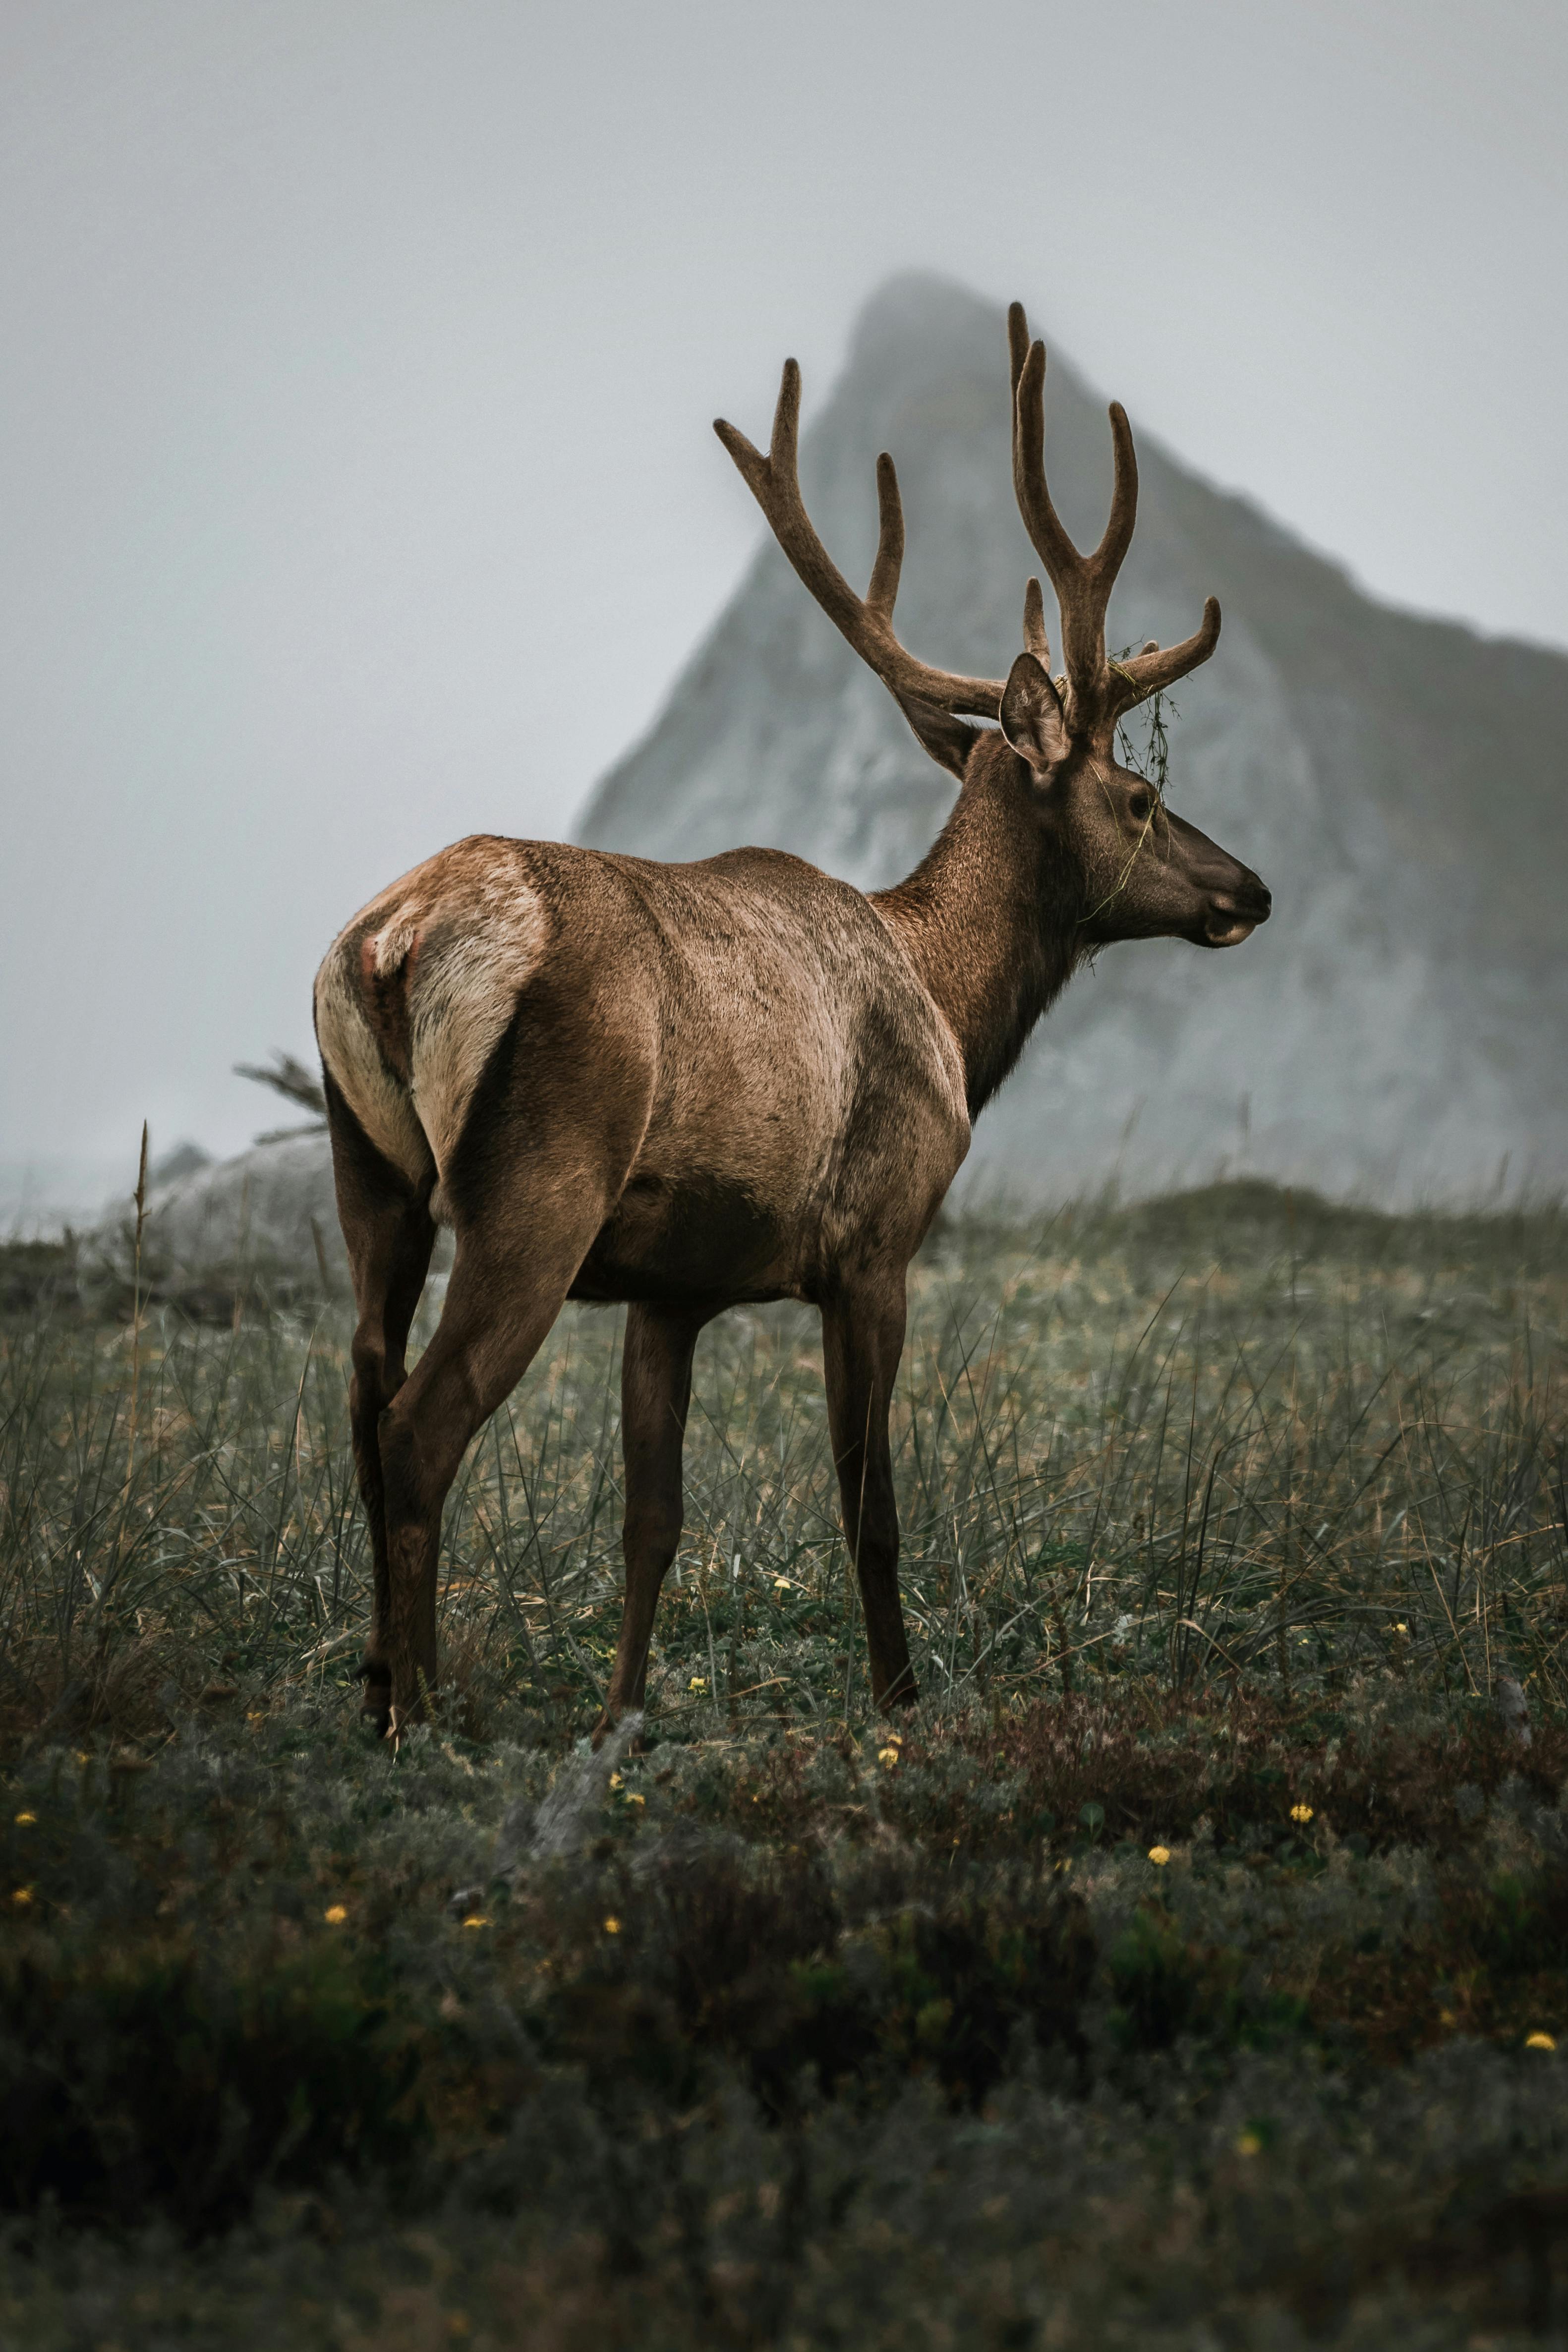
(375, 1701)
(608, 1723)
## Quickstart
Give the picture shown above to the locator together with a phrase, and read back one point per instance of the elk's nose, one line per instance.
(1247, 898)
(1234, 913)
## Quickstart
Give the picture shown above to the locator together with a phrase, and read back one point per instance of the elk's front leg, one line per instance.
(656, 1391)
(862, 1339)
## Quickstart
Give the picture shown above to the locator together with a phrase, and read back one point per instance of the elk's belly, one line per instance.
(706, 1240)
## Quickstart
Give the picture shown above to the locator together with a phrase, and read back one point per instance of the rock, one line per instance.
(566, 1817)
(268, 1216)
(269, 1210)
(184, 1160)
(1402, 785)
(1513, 1709)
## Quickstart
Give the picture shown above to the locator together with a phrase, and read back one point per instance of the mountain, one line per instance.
(1397, 1031)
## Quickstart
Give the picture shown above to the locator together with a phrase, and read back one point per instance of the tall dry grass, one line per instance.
(1235, 1435)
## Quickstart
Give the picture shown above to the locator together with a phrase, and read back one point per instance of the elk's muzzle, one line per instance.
(1233, 914)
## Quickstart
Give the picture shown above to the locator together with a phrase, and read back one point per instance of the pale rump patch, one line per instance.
(460, 936)
(461, 998)
(377, 1097)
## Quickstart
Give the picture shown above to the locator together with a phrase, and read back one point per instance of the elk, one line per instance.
(688, 1086)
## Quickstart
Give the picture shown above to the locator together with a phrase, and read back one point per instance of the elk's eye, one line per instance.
(1140, 807)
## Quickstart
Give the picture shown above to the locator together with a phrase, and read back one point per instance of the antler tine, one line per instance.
(1056, 550)
(1134, 680)
(1035, 638)
(784, 443)
(1122, 519)
(883, 593)
(1018, 344)
(866, 621)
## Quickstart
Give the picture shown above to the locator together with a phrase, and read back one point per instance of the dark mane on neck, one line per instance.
(990, 916)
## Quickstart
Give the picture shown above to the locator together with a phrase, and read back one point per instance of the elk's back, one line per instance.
(774, 1079)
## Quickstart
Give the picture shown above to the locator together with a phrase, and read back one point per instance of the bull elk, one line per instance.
(688, 1086)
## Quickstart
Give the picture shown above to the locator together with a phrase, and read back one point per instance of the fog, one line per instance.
(356, 476)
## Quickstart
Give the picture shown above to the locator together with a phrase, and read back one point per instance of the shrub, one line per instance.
(153, 2081)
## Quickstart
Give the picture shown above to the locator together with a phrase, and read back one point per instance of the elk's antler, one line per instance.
(867, 621)
(1099, 690)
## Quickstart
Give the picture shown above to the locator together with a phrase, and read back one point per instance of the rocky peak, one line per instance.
(1401, 785)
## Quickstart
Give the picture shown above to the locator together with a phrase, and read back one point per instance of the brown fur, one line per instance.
(683, 1086)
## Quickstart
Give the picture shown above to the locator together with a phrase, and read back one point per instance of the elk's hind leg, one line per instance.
(862, 1339)
(389, 1234)
(509, 1280)
(656, 1391)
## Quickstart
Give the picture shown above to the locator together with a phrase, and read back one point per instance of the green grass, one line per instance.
(1223, 1519)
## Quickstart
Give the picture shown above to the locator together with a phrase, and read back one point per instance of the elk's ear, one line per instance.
(1032, 716)
(949, 740)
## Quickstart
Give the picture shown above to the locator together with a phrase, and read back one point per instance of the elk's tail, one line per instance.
(413, 997)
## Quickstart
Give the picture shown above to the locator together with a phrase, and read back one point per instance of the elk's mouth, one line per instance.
(1229, 919)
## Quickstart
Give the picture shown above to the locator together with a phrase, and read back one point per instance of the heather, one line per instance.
(1187, 1967)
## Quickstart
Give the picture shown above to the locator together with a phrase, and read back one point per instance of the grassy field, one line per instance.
(1189, 1969)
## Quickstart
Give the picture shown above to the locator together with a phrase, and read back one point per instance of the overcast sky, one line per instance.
(357, 484)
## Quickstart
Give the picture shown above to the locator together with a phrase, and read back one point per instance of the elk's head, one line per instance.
(1140, 870)
(1146, 873)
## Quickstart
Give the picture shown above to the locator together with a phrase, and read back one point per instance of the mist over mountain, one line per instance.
(1401, 784)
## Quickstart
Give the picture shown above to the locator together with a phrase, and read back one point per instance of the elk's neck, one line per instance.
(990, 920)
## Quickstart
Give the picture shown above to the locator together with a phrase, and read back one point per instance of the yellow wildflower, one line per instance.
(634, 1799)
(25, 1821)
(697, 1682)
(1302, 1814)
(612, 1927)
(888, 1755)
(1249, 2145)
(336, 1915)
(1540, 2041)
(22, 1897)
(615, 1779)
(476, 1919)
(1159, 1855)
